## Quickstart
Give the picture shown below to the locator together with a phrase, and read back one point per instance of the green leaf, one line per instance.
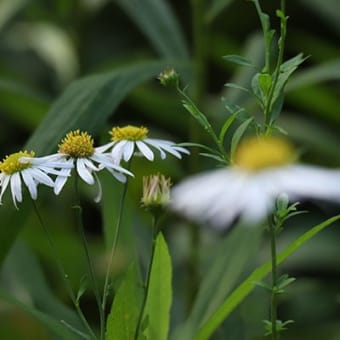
(55, 325)
(286, 70)
(239, 60)
(237, 136)
(216, 7)
(123, 318)
(88, 102)
(226, 265)
(22, 271)
(156, 20)
(159, 298)
(227, 124)
(235, 86)
(241, 292)
(22, 105)
(316, 74)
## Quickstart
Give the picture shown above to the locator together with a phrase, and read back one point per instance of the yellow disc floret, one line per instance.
(11, 164)
(263, 152)
(129, 132)
(77, 144)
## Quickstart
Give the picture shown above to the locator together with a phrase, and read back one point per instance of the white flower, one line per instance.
(76, 151)
(248, 190)
(128, 138)
(23, 166)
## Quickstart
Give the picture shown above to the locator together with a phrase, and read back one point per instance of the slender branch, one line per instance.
(62, 272)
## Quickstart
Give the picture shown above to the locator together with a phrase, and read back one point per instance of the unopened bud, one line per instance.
(169, 78)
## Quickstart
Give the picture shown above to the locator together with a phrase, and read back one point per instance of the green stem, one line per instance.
(273, 309)
(62, 272)
(88, 257)
(148, 276)
(114, 242)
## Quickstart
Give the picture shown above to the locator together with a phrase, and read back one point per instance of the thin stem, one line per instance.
(148, 276)
(114, 242)
(273, 310)
(88, 258)
(62, 272)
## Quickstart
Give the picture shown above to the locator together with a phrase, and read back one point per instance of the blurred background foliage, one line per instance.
(91, 64)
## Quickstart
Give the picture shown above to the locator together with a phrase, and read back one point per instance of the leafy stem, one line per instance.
(281, 45)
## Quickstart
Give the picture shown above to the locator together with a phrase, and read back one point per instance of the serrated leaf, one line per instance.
(123, 318)
(239, 60)
(242, 291)
(239, 132)
(159, 298)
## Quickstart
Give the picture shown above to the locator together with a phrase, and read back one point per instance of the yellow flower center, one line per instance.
(11, 164)
(129, 132)
(263, 152)
(77, 144)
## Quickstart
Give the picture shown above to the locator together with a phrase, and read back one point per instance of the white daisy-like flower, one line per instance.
(23, 166)
(125, 140)
(76, 151)
(263, 169)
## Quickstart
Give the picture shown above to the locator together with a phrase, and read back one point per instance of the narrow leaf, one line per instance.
(225, 267)
(216, 7)
(123, 318)
(241, 292)
(159, 298)
(239, 60)
(157, 21)
(237, 136)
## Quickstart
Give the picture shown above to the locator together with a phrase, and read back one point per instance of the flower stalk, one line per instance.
(89, 263)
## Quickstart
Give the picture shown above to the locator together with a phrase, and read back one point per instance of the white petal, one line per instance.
(100, 191)
(145, 150)
(118, 149)
(16, 188)
(59, 184)
(119, 176)
(210, 197)
(103, 148)
(5, 179)
(41, 177)
(83, 172)
(30, 183)
(306, 181)
(128, 150)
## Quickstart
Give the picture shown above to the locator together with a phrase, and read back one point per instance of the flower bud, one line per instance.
(169, 78)
(156, 191)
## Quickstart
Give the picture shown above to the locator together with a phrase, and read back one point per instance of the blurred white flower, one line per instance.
(263, 169)
(23, 166)
(76, 151)
(128, 138)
